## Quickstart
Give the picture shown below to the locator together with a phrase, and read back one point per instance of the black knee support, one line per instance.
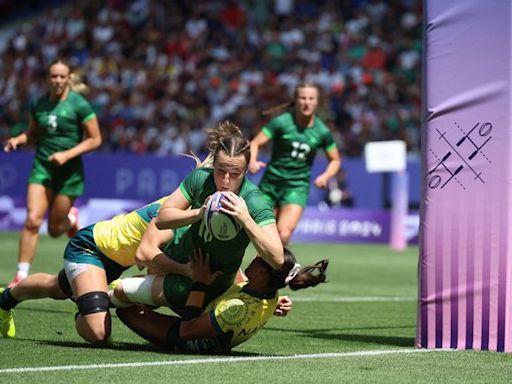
(64, 283)
(93, 302)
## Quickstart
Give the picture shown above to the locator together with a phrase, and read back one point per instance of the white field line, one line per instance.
(354, 299)
(214, 360)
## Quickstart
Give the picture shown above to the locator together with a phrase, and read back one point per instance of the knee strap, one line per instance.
(93, 302)
(64, 283)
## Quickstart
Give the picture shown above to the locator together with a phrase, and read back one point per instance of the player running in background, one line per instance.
(63, 126)
(230, 319)
(297, 136)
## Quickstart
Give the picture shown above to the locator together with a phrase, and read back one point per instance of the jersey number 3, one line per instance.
(52, 123)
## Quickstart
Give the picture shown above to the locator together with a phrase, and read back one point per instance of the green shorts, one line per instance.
(279, 194)
(67, 179)
(177, 287)
(82, 249)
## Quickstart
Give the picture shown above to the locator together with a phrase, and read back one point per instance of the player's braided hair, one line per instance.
(305, 277)
(289, 104)
(228, 138)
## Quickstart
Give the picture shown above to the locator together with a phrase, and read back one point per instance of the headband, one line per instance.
(293, 272)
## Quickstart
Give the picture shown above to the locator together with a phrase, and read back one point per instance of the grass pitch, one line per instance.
(357, 328)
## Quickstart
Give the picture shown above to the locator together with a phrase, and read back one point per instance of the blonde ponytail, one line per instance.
(76, 84)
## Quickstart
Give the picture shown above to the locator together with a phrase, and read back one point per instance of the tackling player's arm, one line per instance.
(194, 323)
(284, 303)
(149, 254)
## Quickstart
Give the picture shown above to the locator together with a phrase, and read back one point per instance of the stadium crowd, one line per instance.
(161, 71)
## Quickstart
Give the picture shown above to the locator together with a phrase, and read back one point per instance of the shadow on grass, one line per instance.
(118, 346)
(129, 347)
(342, 334)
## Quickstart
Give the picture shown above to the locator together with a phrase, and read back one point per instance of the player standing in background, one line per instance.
(229, 320)
(63, 126)
(297, 136)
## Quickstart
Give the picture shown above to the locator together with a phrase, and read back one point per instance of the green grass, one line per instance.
(367, 305)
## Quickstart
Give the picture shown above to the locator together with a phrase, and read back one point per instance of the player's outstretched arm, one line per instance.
(149, 252)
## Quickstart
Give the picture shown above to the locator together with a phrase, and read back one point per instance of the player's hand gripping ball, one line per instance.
(221, 225)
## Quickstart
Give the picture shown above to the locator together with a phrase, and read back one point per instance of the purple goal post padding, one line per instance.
(465, 276)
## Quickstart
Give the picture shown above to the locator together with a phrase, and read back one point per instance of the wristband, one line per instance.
(190, 312)
(198, 286)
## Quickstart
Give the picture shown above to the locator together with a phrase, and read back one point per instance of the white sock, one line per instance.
(72, 219)
(116, 302)
(138, 289)
(23, 269)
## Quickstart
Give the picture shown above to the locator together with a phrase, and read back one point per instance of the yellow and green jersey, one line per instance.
(239, 313)
(119, 237)
(294, 149)
(60, 123)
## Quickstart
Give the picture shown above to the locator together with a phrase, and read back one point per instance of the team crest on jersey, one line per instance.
(233, 312)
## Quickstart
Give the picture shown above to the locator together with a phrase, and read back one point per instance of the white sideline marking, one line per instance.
(213, 360)
(354, 299)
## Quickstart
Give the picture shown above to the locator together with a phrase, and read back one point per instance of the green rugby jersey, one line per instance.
(224, 255)
(294, 148)
(60, 123)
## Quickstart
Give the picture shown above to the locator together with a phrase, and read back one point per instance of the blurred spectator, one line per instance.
(160, 72)
(338, 193)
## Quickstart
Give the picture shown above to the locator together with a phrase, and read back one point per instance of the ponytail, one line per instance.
(309, 276)
(294, 276)
(278, 108)
(76, 84)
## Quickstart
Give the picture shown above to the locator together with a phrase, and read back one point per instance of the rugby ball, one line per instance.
(221, 225)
